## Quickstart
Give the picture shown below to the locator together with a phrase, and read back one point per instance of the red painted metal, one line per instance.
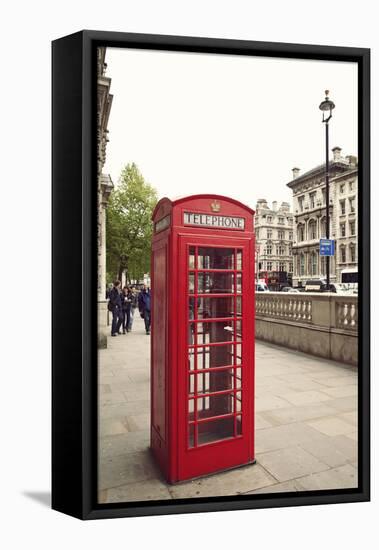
(202, 336)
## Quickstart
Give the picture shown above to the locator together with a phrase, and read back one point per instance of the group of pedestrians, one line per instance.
(122, 303)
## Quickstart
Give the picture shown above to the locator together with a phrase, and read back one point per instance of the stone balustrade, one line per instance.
(322, 324)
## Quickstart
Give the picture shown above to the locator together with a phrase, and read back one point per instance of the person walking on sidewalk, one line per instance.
(144, 306)
(127, 306)
(133, 306)
(115, 306)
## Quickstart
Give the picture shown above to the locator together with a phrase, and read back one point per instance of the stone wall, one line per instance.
(321, 324)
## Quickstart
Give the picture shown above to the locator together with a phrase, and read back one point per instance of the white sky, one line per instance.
(232, 125)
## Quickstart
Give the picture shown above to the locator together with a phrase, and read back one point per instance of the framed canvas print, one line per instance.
(211, 288)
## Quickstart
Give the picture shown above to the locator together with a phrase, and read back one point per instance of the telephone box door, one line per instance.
(216, 354)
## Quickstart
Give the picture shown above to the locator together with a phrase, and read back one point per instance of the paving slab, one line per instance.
(151, 489)
(343, 476)
(127, 468)
(331, 425)
(292, 414)
(284, 487)
(290, 462)
(233, 482)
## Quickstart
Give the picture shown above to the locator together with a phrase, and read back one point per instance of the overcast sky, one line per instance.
(232, 125)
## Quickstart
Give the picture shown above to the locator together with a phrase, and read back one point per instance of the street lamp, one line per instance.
(327, 107)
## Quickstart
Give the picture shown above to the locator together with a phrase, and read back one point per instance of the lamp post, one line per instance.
(327, 107)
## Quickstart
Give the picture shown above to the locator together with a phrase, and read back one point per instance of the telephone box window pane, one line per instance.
(218, 380)
(239, 283)
(191, 407)
(191, 359)
(239, 425)
(238, 354)
(215, 258)
(239, 259)
(238, 330)
(238, 401)
(211, 333)
(191, 283)
(215, 430)
(191, 257)
(215, 283)
(210, 357)
(191, 435)
(210, 308)
(215, 405)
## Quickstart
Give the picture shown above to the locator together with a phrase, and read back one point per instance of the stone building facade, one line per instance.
(274, 231)
(309, 206)
(104, 188)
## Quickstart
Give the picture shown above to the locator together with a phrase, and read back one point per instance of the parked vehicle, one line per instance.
(261, 287)
(318, 285)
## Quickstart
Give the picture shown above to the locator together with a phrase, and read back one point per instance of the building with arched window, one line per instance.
(309, 207)
(274, 232)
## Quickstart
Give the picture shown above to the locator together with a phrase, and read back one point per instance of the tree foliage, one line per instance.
(129, 226)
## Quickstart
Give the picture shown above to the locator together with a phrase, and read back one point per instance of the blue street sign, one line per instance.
(327, 247)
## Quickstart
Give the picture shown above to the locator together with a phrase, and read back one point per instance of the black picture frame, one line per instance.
(74, 372)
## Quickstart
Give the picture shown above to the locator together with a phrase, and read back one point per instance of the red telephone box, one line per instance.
(202, 336)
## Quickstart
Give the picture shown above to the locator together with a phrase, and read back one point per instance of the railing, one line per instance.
(346, 312)
(323, 324)
(281, 305)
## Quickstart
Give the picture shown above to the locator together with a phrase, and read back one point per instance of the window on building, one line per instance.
(281, 221)
(269, 233)
(351, 186)
(342, 229)
(323, 195)
(352, 204)
(352, 253)
(290, 235)
(312, 200)
(301, 233)
(269, 219)
(301, 203)
(343, 206)
(342, 188)
(312, 229)
(323, 270)
(323, 228)
(281, 250)
(269, 266)
(313, 263)
(280, 234)
(290, 221)
(281, 266)
(352, 228)
(269, 250)
(290, 267)
(343, 254)
(302, 264)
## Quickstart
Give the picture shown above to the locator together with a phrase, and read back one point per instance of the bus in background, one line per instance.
(275, 280)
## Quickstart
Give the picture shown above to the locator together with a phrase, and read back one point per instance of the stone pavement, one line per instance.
(306, 426)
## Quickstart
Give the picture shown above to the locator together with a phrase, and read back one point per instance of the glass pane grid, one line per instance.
(214, 344)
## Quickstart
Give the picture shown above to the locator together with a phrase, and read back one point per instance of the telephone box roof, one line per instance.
(179, 200)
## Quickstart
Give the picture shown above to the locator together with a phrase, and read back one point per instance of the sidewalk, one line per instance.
(306, 426)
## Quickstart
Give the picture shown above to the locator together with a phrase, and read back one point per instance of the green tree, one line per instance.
(129, 226)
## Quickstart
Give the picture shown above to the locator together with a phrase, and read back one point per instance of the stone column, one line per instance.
(106, 187)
